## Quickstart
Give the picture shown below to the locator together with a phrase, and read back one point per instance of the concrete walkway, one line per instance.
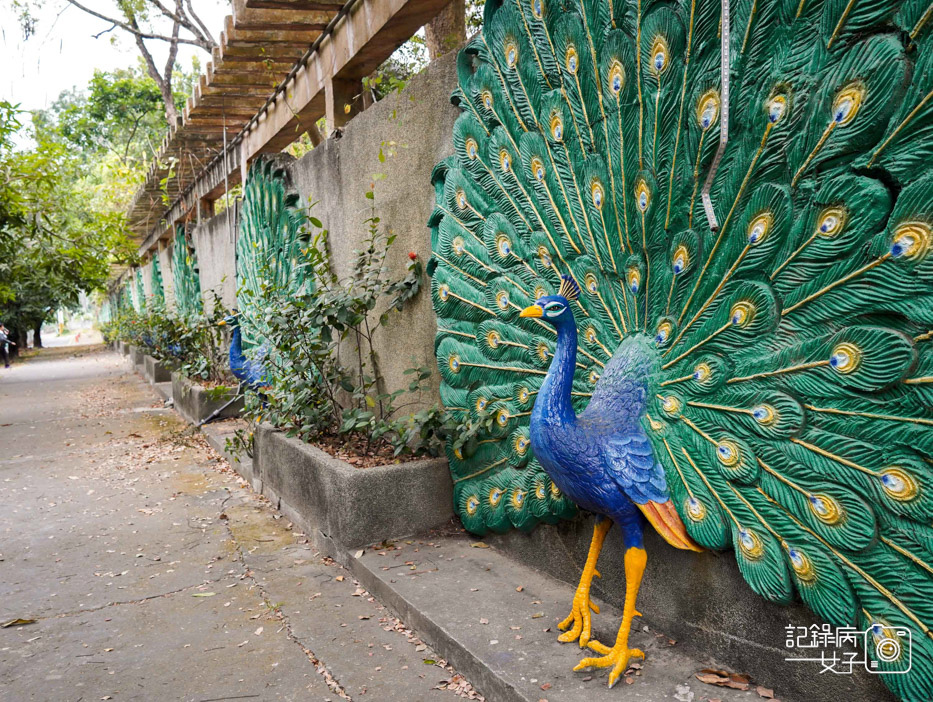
(152, 572)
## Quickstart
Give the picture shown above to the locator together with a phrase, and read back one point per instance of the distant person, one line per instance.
(5, 344)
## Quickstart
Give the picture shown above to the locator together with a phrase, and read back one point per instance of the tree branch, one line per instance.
(139, 34)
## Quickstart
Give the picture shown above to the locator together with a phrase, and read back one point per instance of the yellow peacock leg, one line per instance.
(618, 656)
(579, 616)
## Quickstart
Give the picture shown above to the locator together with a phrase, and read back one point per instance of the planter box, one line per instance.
(124, 348)
(195, 403)
(342, 507)
(155, 371)
(136, 356)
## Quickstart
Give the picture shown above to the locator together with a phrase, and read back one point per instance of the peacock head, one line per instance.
(231, 320)
(555, 309)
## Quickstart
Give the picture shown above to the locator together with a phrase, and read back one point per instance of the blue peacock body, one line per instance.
(690, 281)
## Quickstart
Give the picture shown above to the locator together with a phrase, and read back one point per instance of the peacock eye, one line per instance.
(505, 161)
(511, 55)
(777, 106)
(616, 77)
(759, 227)
(911, 240)
(537, 8)
(708, 109)
(659, 54)
(847, 103)
(487, 99)
(503, 246)
(553, 309)
(831, 222)
(597, 194)
(471, 148)
(537, 167)
(571, 59)
(557, 128)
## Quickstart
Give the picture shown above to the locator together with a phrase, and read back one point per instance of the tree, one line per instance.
(58, 234)
(173, 22)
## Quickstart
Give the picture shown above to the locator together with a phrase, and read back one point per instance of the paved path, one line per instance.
(153, 573)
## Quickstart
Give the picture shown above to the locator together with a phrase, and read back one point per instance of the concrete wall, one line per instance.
(215, 243)
(168, 281)
(415, 131)
(147, 278)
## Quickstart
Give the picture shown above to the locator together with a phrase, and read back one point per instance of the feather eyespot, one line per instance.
(545, 257)
(659, 55)
(502, 300)
(472, 505)
(495, 496)
(911, 241)
(453, 362)
(502, 417)
(616, 77)
(443, 292)
(540, 490)
(524, 395)
(481, 403)
(643, 196)
(681, 260)
(537, 169)
(518, 498)
(802, 565)
(702, 372)
(825, 508)
(845, 358)
(571, 59)
(695, 509)
(663, 333)
(764, 414)
(557, 127)
(503, 245)
(670, 405)
(555, 491)
(487, 99)
(777, 106)
(759, 228)
(493, 339)
(505, 161)
(511, 54)
(898, 484)
(521, 445)
(831, 221)
(457, 246)
(847, 103)
(591, 284)
(543, 351)
(750, 544)
(707, 109)
(597, 190)
(593, 377)
(728, 453)
(633, 279)
(742, 314)
(537, 8)
(471, 148)
(461, 200)
(590, 335)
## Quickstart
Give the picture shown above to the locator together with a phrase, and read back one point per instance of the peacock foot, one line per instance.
(617, 657)
(579, 620)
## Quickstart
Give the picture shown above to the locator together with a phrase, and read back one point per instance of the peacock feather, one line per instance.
(140, 291)
(185, 276)
(784, 281)
(155, 271)
(268, 248)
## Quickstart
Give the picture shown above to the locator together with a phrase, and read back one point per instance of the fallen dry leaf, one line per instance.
(546, 686)
(765, 692)
(479, 544)
(19, 621)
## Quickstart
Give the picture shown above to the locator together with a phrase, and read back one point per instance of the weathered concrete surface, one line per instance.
(155, 371)
(336, 502)
(701, 600)
(136, 356)
(154, 574)
(196, 403)
(215, 242)
(168, 280)
(497, 622)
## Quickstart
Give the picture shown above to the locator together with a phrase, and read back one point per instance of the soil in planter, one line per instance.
(354, 450)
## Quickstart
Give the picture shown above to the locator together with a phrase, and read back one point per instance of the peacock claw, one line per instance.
(579, 620)
(618, 657)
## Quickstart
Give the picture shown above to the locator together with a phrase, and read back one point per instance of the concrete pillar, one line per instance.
(342, 100)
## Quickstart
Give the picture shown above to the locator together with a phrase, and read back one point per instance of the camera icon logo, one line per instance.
(888, 650)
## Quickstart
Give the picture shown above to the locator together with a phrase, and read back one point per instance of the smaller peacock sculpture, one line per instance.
(249, 371)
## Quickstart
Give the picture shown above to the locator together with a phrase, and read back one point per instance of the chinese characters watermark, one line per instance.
(880, 649)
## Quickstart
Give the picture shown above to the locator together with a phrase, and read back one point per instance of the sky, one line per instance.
(63, 52)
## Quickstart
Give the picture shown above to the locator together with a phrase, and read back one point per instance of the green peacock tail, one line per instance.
(185, 276)
(793, 410)
(155, 279)
(140, 291)
(269, 246)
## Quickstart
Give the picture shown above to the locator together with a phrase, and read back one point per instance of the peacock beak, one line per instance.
(532, 311)
(222, 323)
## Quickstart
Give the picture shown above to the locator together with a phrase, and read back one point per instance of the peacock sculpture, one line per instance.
(682, 261)
(249, 371)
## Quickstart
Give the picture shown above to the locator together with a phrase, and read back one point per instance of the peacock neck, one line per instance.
(554, 400)
(236, 344)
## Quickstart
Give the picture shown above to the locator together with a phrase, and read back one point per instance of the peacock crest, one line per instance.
(766, 225)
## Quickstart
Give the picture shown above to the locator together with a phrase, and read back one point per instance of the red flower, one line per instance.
(412, 255)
